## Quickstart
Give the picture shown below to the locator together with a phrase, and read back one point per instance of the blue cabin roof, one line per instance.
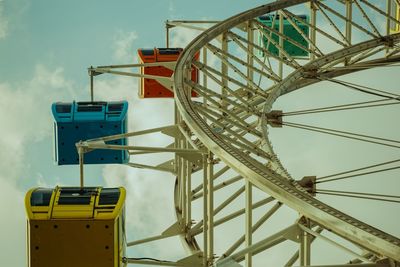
(89, 111)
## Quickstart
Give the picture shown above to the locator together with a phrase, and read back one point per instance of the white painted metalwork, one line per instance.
(223, 153)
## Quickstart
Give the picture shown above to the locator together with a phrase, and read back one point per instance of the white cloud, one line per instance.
(181, 37)
(24, 118)
(25, 114)
(123, 46)
(3, 21)
(171, 7)
(31, 101)
(12, 242)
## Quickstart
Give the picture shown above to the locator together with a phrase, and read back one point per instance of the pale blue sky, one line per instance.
(76, 34)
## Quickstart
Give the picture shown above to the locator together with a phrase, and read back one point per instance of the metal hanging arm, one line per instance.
(92, 72)
(166, 81)
(81, 152)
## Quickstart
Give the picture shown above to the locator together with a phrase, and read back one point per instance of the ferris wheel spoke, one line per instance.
(223, 114)
(237, 139)
(225, 56)
(208, 70)
(285, 61)
(313, 27)
(228, 122)
(340, 194)
(352, 106)
(382, 196)
(354, 24)
(333, 25)
(251, 85)
(271, 74)
(359, 169)
(219, 186)
(211, 95)
(380, 11)
(367, 18)
(357, 175)
(345, 134)
(234, 122)
(366, 89)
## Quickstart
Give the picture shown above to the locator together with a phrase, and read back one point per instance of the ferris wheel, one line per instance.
(285, 141)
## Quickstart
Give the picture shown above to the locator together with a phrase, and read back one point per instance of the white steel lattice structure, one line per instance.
(223, 150)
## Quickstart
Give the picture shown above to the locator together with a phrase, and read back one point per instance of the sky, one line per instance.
(46, 47)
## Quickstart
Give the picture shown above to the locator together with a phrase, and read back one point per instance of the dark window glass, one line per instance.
(147, 52)
(63, 108)
(115, 107)
(169, 51)
(109, 196)
(41, 197)
(76, 196)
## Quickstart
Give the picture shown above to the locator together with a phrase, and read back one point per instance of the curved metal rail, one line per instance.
(268, 180)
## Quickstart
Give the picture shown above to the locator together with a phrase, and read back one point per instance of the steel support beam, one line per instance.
(262, 245)
(305, 244)
(210, 207)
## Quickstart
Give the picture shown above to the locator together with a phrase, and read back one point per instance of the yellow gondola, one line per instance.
(73, 226)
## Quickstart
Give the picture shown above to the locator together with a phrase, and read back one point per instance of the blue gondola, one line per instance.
(80, 121)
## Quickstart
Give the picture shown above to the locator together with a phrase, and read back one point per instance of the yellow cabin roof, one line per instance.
(74, 203)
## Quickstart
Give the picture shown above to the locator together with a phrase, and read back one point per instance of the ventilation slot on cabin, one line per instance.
(90, 106)
(76, 196)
